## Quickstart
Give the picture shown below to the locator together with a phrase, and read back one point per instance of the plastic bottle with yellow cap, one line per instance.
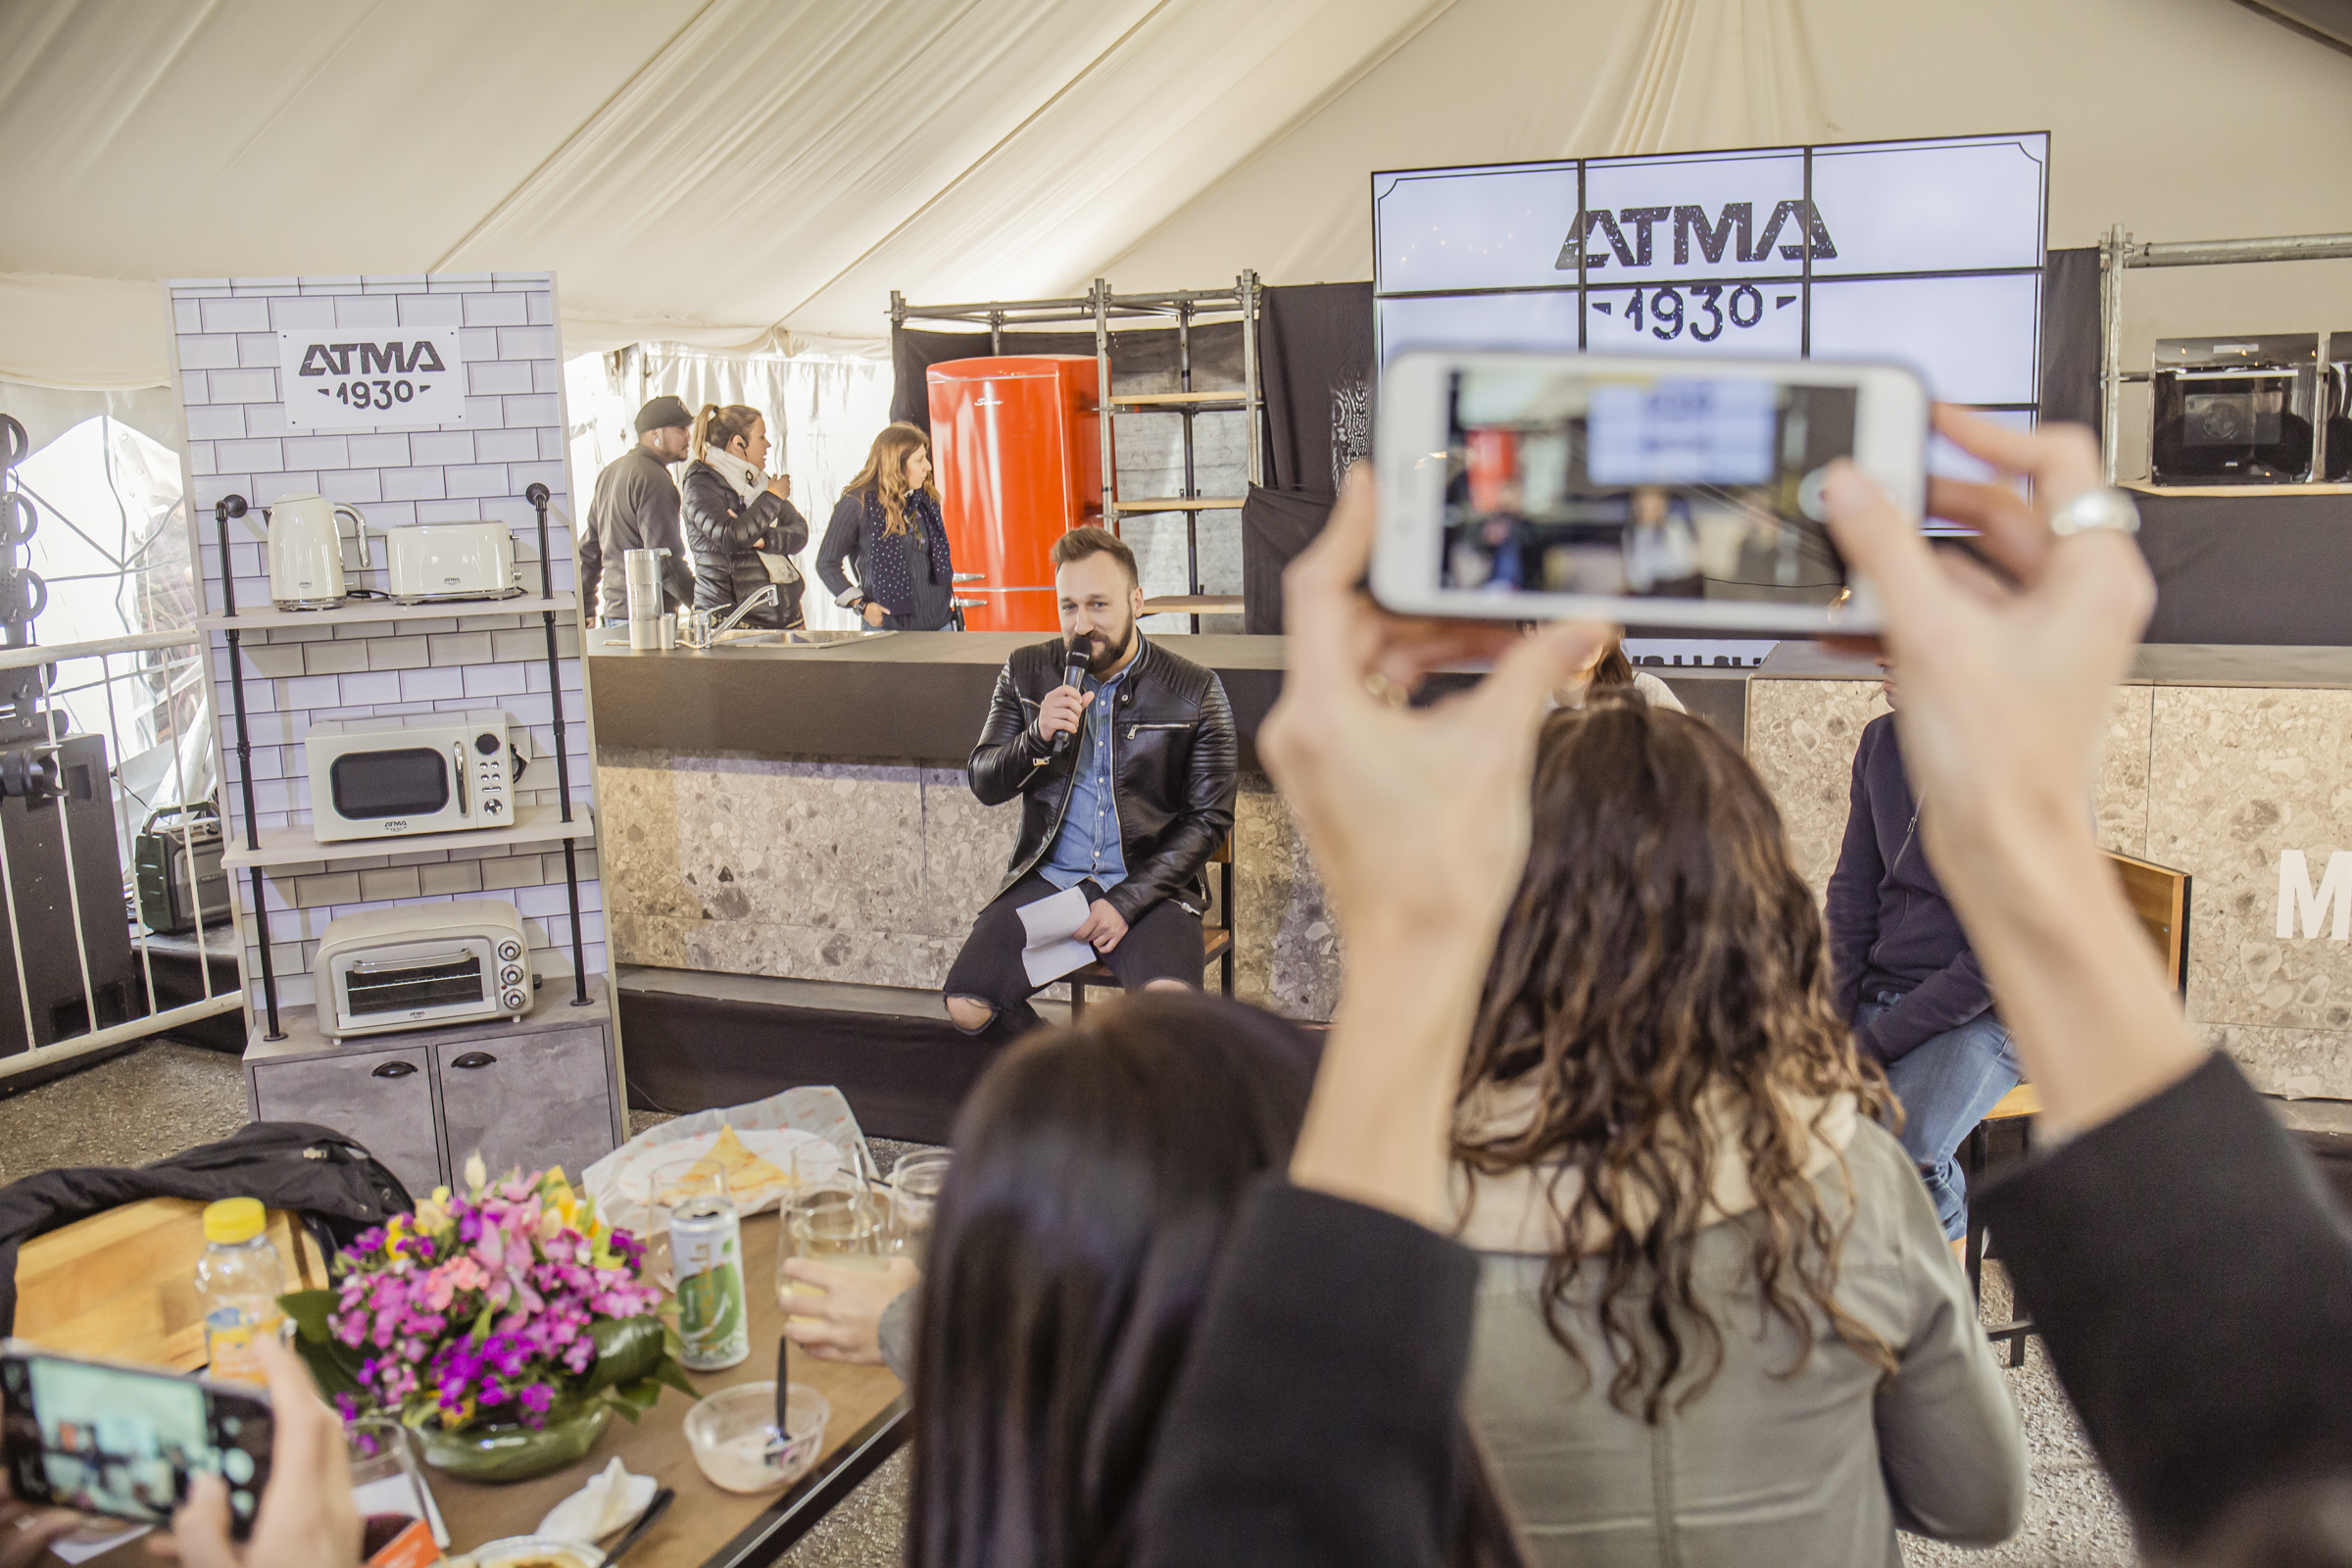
(238, 1283)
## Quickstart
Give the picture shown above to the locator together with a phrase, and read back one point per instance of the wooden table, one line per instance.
(705, 1528)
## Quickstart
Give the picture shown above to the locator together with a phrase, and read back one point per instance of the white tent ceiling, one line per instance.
(734, 172)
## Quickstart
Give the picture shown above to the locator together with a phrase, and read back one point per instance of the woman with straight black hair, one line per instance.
(1098, 1172)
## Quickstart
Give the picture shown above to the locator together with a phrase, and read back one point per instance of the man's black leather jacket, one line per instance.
(1172, 774)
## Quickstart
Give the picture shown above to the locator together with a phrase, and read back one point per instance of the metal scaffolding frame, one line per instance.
(1183, 308)
(2118, 251)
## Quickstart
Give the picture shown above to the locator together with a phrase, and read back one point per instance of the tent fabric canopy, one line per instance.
(756, 176)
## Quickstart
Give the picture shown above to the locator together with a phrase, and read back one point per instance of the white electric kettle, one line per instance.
(305, 550)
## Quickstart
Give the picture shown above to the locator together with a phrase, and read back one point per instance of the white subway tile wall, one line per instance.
(514, 436)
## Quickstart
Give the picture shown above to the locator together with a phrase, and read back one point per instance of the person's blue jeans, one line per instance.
(1946, 1085)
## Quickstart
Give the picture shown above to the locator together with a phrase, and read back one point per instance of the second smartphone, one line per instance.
(1669, 494)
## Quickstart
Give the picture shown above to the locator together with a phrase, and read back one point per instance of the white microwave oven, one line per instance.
(422, 965)
(374, 778)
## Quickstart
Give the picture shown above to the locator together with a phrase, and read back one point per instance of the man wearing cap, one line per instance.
(636, 508)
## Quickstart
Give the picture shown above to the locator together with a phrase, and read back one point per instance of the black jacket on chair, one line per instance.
(1174, 765)
(725, 532)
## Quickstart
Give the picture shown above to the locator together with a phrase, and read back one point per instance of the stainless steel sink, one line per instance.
(754, 637)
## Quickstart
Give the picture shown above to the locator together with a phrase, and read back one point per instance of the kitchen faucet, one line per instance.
(700, 633)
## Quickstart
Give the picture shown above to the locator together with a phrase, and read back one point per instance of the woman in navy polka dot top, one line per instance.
(887, 530)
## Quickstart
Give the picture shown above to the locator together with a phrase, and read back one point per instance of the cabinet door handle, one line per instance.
(394, 1069)
(476, 1058)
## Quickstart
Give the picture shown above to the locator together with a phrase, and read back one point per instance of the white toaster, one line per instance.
(428, 561)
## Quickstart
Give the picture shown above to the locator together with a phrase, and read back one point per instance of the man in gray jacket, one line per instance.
(636, 508)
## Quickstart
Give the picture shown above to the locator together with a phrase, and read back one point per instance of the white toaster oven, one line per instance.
(374, 778)
(422, 965)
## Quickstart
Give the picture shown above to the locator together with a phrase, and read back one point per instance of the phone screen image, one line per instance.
(121, 1441)
(1676, 484)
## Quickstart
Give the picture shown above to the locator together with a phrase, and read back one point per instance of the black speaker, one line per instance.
(61, 855)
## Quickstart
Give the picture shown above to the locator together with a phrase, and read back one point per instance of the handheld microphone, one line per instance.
(1074, 664)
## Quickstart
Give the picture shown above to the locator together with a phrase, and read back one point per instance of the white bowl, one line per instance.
(533, 1550)
(735, 1442)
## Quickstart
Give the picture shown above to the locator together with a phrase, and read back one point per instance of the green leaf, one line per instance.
(481, 1324)
(627, 1351)
(334, 1366)
(672, 1375)
(309, 1310)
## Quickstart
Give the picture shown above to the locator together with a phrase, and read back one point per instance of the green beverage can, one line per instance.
(705, 1248)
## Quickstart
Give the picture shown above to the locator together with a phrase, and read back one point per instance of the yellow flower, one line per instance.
(476, 1174)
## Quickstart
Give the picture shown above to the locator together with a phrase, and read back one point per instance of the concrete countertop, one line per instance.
(2155, 665)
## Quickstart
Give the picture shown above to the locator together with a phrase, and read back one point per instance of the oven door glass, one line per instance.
(370, 786)
(403, 985)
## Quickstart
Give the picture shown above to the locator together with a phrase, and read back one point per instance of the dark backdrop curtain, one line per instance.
(2069, 336)
(1315, 355)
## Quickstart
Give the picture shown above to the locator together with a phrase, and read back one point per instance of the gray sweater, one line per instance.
(1817, 1470)
(635, 508)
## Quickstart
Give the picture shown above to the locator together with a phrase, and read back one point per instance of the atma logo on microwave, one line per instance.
(1632, 233)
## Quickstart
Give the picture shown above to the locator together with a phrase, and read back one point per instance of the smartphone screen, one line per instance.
(1676, 484)
(124, 1441)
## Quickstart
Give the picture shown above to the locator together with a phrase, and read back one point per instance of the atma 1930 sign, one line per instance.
(338, 380)
(1926, 253)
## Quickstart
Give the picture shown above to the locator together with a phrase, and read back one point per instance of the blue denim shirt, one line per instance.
(1089, 844)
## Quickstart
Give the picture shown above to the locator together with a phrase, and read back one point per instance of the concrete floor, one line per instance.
(167, 1098)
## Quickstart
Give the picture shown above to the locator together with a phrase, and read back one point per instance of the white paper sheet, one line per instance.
(1049, 922)
(72, 1549)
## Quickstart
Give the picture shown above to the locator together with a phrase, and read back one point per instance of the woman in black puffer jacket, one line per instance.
(732, 511)
(887, 530)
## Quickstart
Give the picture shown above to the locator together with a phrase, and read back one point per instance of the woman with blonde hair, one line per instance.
(1717, 1319)
(733, 511)
(887, 532)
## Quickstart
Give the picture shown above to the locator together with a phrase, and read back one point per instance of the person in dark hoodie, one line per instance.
(1907, 977)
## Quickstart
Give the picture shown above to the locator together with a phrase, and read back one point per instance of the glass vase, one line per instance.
(508, 1450)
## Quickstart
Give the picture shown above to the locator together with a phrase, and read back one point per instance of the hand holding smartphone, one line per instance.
(1666, 494)
(125, 1440)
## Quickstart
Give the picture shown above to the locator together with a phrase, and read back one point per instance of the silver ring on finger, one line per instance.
(2103, 508)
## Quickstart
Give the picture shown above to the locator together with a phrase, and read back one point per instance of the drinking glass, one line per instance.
(675, 1185)
(915, 1185)
(821, 1174)
(385, 1486)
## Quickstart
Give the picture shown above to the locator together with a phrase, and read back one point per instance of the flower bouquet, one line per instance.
(503, 1325)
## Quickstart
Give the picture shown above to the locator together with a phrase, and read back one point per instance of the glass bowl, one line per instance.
(735, 1442)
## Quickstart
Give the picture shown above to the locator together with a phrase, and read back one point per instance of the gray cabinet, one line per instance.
(532, 1100)
(389, 1092)
(544, 1090)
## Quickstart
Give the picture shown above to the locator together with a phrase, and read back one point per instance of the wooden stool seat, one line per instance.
(2023, 1101)
(1216, 941)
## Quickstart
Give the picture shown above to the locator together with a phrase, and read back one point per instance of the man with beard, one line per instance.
(1129, 809)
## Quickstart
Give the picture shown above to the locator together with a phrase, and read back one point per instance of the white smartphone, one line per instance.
(1663, 494)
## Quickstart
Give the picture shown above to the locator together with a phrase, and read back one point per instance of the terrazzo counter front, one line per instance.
(803, 813)
(2227, 762)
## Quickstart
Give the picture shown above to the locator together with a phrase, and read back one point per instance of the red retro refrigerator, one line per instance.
(1020, 463)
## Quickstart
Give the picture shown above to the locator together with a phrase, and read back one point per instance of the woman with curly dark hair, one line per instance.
(1718, 1321)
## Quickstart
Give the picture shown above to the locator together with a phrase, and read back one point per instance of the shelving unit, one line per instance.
(292, 845)
(1182, 309)
(296, 846)
(1186, 403)
(385, 613)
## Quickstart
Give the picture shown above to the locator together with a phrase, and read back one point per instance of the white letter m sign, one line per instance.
(2299, 905)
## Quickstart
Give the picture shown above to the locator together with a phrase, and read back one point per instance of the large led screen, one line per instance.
(1924, 253)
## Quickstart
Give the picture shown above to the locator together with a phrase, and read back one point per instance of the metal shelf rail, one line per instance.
(1183, 308)
(2118, 252)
